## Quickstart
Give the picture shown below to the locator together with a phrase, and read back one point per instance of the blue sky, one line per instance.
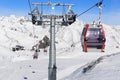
(111, 9)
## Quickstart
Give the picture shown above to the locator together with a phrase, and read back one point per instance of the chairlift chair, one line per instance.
(69, 17)
(36, 19)
(93, 36)
(36, 16)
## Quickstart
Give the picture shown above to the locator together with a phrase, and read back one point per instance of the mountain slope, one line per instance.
(20, 31)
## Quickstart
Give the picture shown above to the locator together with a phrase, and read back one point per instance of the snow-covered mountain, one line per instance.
(19, 30)
(70, 59)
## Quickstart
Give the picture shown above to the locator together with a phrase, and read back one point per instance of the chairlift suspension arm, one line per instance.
(29, 5)
(100, 13)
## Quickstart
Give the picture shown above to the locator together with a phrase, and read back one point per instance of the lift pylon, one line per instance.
(39, 18)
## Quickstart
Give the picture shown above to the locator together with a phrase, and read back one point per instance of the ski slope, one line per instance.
(105, 67)
(70, 58)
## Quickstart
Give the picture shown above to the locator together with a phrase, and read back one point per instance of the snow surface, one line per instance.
(70, 59)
